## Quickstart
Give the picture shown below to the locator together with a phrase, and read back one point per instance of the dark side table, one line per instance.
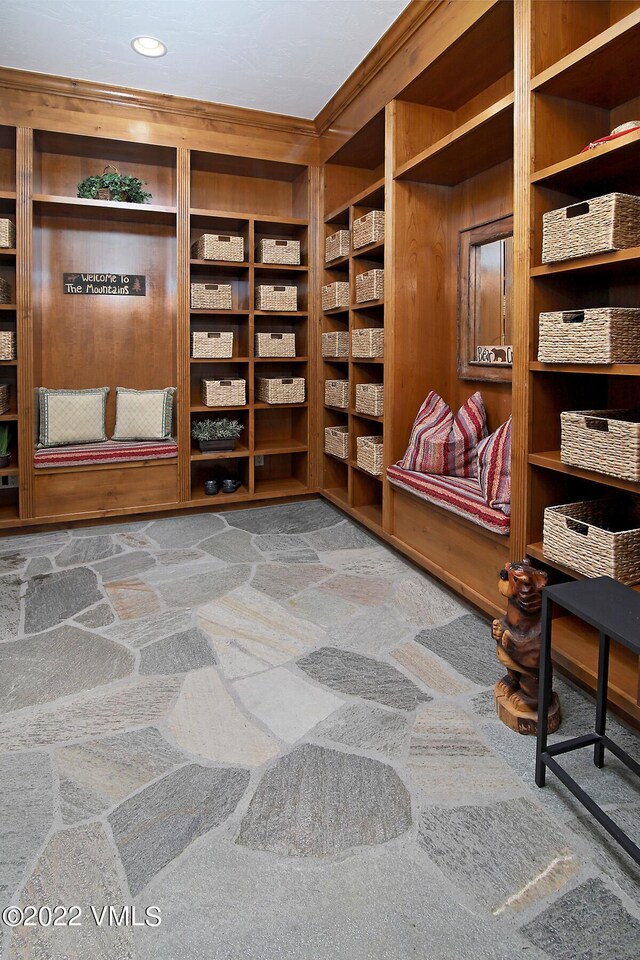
(614, 611)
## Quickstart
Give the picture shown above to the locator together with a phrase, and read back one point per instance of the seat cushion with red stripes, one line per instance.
(110, 451)
(460, 495)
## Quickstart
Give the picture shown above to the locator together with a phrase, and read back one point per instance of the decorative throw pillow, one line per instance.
(443, 444)
(72, 416)
(494, 468)
(143, 414)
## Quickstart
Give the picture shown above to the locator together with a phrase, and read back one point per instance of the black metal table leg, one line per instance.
(544, 690)
(601, 698)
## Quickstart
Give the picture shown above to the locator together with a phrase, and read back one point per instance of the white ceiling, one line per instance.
(285, 56)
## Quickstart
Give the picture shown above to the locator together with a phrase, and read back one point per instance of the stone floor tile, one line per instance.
(10, 589)
(261, 628)
(285, 548)
(204, 587)
(100, 616)
(315, 802)
(371, 561)
(371, 632)
(366, 728)
(362, 677)
(465, 643)
(285, 703)
(37, 567)
(283, 580)
(124, 565)
(99, 773)
(83, 550)
(177, 654)
(388, 905)
(432, 671)
(138, 541)
(287, 518)
(58, 596)
(342, 536)
(425, 603)
(206, 722)
(78, 866)
(137, 633)
(35, 544)
(444, 729)
(232, 546)
(57, 663)
(26, 802)
(154, 826)
(498, 853)
(12, 562)
(588, 922)
(365, 591)
(134, 704)
(322, 608)
(179, 556)
(114, 527)
(296, 556)
(605, 852)
(184, 531)
(132, 598)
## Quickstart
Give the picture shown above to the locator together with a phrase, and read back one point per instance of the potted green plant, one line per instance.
(5, 456)
(218, 434)
(112, 185)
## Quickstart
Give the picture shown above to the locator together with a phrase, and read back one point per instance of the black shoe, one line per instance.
(211, 487)
(230, 485)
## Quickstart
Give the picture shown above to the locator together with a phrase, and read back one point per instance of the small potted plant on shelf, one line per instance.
(5, 456)
(216, 434)
(112, 185)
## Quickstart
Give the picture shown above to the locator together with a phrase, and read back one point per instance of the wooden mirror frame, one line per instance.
(469, 369)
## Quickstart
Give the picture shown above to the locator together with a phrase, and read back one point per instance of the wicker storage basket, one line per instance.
(7, 345)
(335, 295)
(336, 393)
(7, 233)
(275, 345)
(5, 291)
(336, 441)
(335, 344)
(596, 537)
(369, 454)
(218, 246)
(337, 245)
(279, 251)
(367, 343)
(370, 286)
(611, 222)
(276, 297)
(607, 441)
(211, 296)
(4, 398)
(370, 399)
(280, 389)
(224, 393)
(368, 229)
(211, 343)
(601, 335)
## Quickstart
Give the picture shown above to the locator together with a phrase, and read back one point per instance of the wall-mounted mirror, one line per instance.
(485, 271)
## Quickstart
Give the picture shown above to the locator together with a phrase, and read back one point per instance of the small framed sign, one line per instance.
(106, 284)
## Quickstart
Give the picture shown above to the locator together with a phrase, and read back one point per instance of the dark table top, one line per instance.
(605, 604)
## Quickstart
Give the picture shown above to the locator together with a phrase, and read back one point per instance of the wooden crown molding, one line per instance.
(46, 85)
(400, 31)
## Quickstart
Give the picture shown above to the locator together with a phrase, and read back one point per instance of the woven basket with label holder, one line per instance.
(218, 246)
(336, 442)
(280, 389)
(224, 393)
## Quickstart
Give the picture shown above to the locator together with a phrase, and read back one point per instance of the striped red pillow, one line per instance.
(494, 465)
(443, 444)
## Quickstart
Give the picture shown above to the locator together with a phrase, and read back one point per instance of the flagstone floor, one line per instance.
(276, 731)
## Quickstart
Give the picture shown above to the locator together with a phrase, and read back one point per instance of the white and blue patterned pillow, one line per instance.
(144, 414)
(72, 416)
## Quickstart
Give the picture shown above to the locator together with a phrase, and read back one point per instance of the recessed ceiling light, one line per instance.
(149, 46)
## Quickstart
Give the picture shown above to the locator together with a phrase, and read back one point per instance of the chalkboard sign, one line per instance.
(106, 284)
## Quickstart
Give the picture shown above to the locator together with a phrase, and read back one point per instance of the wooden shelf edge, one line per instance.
(247, 217)
(355, 201)
(587, 157)
(610, 369)
(612, 259)
(550, 460)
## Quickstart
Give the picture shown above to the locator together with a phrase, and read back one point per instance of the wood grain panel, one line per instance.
(74, 492)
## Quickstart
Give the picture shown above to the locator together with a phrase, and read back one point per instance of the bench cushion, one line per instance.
(460, 495)
(90, 454)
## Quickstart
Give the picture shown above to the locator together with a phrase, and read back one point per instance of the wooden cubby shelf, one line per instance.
(609, 369)
(596, 168)
(550, 460)
(618, 261)
(77, 207)
(481, 143)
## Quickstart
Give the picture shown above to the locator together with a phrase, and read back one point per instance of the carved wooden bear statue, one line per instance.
(518, 648)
